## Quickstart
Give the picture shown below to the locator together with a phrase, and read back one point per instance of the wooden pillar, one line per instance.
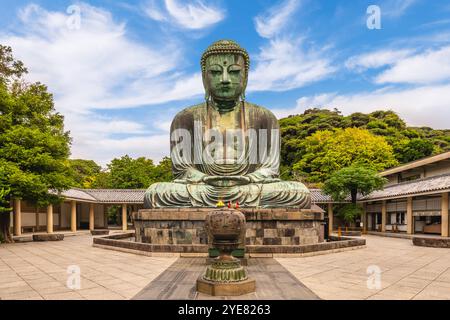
(409, 216)
(330, 218)
(91, 216)
(383, 216)
(73, 216)
(124, 217)
(364, 218)
(50, 218)
(444, 215)
(17, 218)
(36, 214)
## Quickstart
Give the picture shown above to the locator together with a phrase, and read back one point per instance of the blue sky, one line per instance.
(121, 70)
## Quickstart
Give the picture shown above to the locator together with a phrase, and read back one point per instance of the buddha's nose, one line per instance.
(225, 78)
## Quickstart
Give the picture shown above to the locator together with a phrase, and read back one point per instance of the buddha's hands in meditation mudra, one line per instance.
(202, 183)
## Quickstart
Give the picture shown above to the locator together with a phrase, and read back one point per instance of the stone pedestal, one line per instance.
(264, 227)
(226, 289)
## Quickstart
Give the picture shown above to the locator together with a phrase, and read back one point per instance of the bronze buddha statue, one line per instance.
(226, 149)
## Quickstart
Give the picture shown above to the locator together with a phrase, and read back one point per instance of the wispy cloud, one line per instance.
(275, 19)
(98, 66)
(376, 59)
(185, 14)
(428, 67)
(396, 8)
(284, 64)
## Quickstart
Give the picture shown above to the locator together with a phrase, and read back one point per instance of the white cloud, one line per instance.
(274, 20)
(154, 11)
(421, 106)
(98, 66)
(425, 68)
(285, 64)
(395, 8)
(191, 15)
(151, 146)
(376, 59)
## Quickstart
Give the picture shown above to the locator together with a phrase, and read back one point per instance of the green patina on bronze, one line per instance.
(225, 67)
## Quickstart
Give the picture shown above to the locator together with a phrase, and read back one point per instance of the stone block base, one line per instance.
(48, 237)
(435, 242)
(99, 232)
(264, 227)
(226, 289)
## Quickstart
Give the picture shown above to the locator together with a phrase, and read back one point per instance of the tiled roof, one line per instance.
(317, 196)
(77, 194)
(106, 195)
(117, 195)
(430, 184)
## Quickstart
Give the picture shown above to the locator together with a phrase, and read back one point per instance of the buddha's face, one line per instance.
(225, 76)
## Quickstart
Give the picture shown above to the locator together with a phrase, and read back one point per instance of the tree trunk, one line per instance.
(5, 232)
(354, 194)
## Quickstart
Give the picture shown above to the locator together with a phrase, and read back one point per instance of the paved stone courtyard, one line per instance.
(407, 271)
(39, 271)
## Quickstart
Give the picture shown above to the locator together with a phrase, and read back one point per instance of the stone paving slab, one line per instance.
(407, 271)
(38, 270)
(273, 282)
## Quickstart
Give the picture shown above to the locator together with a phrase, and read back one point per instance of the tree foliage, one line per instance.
(349, 212)
(408, 143)
(129, 173)
(326, 152)
(351, 181)
(84, 173)
(34, 147)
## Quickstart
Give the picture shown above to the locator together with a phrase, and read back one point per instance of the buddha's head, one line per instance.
(225, 68)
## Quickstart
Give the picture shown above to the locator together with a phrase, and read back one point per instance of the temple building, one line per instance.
(414, 201)
(82, 209)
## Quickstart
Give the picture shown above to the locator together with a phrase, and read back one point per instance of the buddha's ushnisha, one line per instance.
(226, 149)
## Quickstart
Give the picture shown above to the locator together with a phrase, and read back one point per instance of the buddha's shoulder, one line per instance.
(257, 109)
(191, 110)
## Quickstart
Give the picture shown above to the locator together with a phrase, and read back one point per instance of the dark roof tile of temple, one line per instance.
(106, 195)
(317, 196)
(436, 183)
(118, 195)
(77, 194)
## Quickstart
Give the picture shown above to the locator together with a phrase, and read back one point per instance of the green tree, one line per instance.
(163, 171)
(414, 149)
(326, 152)
(34, 147)
(138, 173)
(84, 172)
(351, 181)
(296, 128)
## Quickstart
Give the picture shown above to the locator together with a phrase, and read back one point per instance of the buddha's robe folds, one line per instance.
(256, 155)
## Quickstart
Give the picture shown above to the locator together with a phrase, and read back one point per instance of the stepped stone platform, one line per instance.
(435, 242)
(99, 232)
(264, 227)
(273, 282)
(48, 237)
